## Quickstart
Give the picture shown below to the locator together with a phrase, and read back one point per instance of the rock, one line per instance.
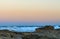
(47, 32)
(9, 35)
(45, 28)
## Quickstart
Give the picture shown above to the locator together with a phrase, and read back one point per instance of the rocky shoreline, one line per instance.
(40, 33)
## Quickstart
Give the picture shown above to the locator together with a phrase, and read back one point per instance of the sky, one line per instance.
(29, 12)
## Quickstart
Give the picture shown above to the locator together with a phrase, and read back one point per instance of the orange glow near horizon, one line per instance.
(30, 10)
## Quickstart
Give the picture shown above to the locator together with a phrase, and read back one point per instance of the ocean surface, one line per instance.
(20, 28)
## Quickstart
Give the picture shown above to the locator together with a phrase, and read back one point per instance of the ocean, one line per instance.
(18, 29)
(21, 28)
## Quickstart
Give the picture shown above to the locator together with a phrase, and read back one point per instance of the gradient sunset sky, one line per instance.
(29, 12)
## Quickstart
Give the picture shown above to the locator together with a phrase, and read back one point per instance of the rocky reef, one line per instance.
(47, 32)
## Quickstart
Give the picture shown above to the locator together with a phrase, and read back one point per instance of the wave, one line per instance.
(18, 29)
(22, 28)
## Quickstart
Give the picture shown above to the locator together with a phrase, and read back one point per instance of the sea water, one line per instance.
(21, 29)
(18, 29)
